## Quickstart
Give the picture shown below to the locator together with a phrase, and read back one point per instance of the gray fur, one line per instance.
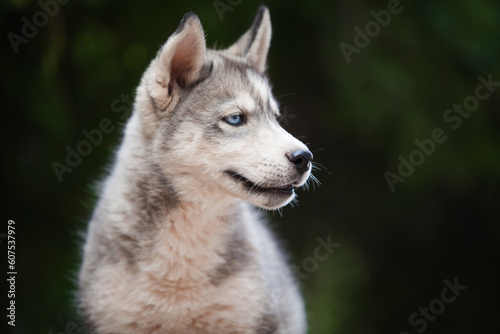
(173, 245)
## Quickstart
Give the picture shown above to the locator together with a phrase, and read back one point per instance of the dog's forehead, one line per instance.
(244, 100)
(261, 89)
(250, 88)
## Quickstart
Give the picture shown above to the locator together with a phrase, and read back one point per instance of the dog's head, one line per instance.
(211, 120)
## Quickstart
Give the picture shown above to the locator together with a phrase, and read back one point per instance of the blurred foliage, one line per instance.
(396, 247)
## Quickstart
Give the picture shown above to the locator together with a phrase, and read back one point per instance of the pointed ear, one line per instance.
(254, 44)
(180, 63)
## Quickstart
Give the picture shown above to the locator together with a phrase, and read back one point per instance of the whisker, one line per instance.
(286, 94)
(317, 150)
(320, 167)
(314, 180)
(280, 211)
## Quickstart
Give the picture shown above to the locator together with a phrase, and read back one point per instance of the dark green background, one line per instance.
(396, 248)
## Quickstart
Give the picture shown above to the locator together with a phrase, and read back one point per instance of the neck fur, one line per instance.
(177, 239)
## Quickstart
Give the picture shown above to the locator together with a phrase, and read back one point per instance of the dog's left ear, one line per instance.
(180, 63)
(254, 44)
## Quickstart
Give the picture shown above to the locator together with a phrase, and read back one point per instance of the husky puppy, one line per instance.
(174, 244)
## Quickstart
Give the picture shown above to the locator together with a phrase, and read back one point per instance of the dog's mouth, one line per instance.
(253, 187)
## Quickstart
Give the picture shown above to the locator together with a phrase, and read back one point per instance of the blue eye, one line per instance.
(235, 119)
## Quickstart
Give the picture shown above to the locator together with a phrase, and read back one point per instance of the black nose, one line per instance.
(301, 159)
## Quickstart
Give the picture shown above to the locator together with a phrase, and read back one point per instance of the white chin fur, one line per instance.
(270, 202)
(265, 200)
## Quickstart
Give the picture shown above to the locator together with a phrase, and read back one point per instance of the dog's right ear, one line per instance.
(180, 63)
(254, 44)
